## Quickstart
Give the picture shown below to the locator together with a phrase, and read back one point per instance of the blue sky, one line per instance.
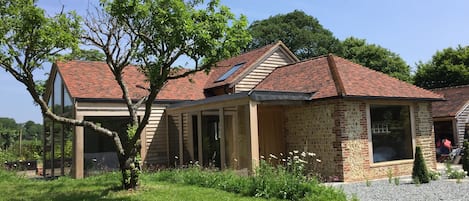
(414, 29)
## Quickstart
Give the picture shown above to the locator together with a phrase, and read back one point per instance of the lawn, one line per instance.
(104, 187)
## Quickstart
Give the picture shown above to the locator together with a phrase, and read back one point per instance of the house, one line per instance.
(359, 122)
(451, 117)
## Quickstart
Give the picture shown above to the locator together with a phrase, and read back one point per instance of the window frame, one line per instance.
(370, 139)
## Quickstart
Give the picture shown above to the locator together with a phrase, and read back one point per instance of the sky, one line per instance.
(414, 29)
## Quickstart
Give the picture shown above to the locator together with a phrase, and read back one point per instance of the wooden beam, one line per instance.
(210, 106)
(254, 133)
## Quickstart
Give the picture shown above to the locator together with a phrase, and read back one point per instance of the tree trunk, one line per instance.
(130, 170)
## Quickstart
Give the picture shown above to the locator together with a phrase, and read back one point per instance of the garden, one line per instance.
(286, 180)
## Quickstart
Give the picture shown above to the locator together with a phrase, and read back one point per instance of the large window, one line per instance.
(391, 132)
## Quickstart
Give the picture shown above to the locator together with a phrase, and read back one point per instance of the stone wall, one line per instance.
(356, 149)
(337, 131)
(312, 128)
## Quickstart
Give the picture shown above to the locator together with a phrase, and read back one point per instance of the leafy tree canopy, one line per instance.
(85, 55)
(449, 67)
(303, 34)
(375, 57)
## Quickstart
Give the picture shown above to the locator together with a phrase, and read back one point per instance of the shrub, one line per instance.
(465, 157)
(434, 175)
(419, 171)
(287, 180)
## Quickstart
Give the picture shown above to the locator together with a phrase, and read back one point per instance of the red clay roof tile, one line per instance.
(186, 88)
(457, 97)
(92, 79)
(315, 76)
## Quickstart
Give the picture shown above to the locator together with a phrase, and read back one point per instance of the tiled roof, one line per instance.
(331, 76)
(248, 58)
(92, 79)
(186, 88)
(457, 97)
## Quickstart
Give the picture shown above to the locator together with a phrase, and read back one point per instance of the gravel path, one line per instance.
(442, 189)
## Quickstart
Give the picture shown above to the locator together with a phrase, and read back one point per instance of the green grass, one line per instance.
(104, 187)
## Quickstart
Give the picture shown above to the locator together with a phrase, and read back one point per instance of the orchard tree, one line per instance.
(375, 57)
(161, 31)
(156, 33)
(449, 67)
(303, 34)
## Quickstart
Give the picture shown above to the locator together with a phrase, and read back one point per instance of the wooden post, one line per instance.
(254, 133)
(221, 132)
(78, 152)
(199, 136)
(181, 140)
(190, 137)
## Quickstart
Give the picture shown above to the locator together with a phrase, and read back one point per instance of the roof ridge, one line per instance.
(339, 85)
(389, 76)
(450, 87)
(304, 60)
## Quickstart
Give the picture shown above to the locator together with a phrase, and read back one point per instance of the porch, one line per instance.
(230, 132)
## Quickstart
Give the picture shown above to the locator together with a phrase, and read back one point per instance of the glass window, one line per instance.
(391, 132)
(68, 105)
(229, 72)
(57, 109)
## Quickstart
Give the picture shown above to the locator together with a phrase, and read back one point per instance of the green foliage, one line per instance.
(85, 55)
(27, 33)
(375, 57)
(303, 34)
(168, 29)
(419, 170)
(434, 175)
(465, 157)
(368, 183)
(390, 175)
(397, 181)
(104, 187)
(449, 67)
(271, 182)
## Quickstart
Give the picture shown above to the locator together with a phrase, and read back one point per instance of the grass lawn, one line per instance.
(103, 187)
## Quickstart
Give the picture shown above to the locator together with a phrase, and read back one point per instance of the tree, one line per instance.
(85, 55)
(465, 157)
(156, 34)
(449, 67)
(303, 34)
(8, 132)
(165, 30)
(375, 57)
(32, 130)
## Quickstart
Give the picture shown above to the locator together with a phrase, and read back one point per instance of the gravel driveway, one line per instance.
(442, 189)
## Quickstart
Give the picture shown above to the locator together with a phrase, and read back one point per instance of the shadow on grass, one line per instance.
(63, 189)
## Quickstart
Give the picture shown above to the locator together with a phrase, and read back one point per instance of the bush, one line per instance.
(465, 157)
(284, 181)
(419, 171)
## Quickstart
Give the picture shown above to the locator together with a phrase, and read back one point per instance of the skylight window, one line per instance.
(229, 72)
